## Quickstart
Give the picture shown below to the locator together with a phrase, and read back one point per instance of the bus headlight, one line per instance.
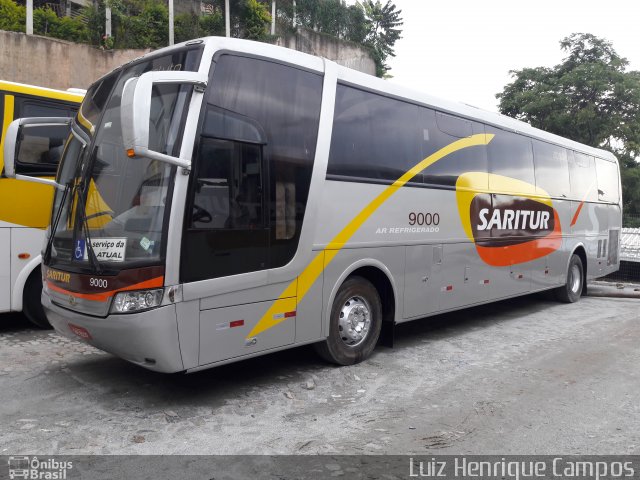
(136, 301)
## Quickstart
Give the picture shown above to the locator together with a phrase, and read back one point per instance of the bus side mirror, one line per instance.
(34, 143)
(138, 118)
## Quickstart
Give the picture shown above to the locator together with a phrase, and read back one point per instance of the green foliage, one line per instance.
(145, 23)
(590, 98)
(371, 24)
(188, 26)
(46, 22)
(134, 24)
(256, 20)
(12, 16)
(383, 31)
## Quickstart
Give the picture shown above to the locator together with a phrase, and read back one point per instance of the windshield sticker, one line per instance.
(106, 249)
(79, 251)
(145, 243)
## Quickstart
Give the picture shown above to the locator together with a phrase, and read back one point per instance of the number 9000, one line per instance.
(424, 218)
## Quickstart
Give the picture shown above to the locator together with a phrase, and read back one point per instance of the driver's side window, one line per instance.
(227, 190)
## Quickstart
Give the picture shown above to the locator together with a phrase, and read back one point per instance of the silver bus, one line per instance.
(221, 199)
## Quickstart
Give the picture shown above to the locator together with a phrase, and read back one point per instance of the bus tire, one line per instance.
(31, 301)
(355, 323)
(571, 291)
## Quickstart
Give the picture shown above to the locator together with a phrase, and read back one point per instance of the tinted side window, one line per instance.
(511, 155)
(41, 146)
(440, 130)
(607, 173)
(280, 105)
(30, 108)
(373, 136)
(582, 172)
(40, 149)
(552, 168)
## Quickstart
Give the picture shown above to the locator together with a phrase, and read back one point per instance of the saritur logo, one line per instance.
(507, 229)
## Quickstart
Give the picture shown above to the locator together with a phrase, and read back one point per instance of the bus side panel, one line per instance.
(5, 269)
(310, 311)
(463, 277)
(422, 279)
(23, 241)
(228, 322)
(551, 270)
(586, 229)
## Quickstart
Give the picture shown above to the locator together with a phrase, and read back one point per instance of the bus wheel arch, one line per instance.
(370, 284)
(582, 253)
(576, 277)
(17, 292)
(31, 300)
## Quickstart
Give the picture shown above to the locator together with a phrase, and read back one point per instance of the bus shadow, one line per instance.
(16, 323)
(279, 370)
(446, 325)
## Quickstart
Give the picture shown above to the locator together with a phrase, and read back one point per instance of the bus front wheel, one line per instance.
(355, 323)
(31, 302)
(570, 292)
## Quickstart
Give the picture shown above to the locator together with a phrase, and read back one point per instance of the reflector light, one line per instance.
(131, 153)
(24, 256)
(80, 331)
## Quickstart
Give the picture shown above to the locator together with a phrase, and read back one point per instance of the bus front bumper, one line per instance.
(149, 339)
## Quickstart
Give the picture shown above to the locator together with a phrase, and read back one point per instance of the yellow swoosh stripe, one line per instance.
(301, 285)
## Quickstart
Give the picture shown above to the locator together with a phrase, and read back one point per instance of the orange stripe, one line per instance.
(104, 296)
(575, 216)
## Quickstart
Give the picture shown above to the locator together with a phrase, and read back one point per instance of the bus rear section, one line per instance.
(276, 200)
(25, 208)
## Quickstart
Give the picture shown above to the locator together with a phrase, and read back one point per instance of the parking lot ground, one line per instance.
(526, 375)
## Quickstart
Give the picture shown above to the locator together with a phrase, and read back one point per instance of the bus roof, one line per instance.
(70, 96)
(384, 87)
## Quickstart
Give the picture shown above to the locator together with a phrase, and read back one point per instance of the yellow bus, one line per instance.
(25, 207)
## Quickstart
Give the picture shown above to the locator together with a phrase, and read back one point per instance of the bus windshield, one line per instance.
(112, 209)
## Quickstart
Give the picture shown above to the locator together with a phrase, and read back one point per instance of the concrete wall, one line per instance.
(48, 62)
(53, 63)
(344, 53)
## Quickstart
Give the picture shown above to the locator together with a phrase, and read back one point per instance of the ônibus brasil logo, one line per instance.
(34, 468)
(517, 225)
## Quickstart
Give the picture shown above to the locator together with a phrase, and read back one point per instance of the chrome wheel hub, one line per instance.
(575, 279)
(354, 321)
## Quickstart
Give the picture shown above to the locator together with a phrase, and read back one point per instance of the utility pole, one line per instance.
(170, 22)
(107, 22)
(227, 18)
(273, 17)
(29, 17)
(294, 14)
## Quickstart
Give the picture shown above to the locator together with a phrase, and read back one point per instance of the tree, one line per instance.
(256, 20)
(370, 23)
(590, 97)
(46, 22)
(383, 31)
(12, 16)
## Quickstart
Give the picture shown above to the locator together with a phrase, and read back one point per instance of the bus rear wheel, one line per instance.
(31, 301)
(570, 292)
(355, 323)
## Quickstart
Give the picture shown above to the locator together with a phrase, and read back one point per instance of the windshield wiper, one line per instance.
(91, 254)
(54, 224)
